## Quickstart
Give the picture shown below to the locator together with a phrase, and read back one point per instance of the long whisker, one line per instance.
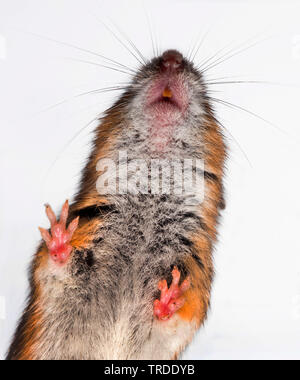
(132, 73)
(232, 50)
(236, 142)
(267, 83)
(66, 146)
(192, 48)
(139, 53)
(200, 45)
(157, 41)
(234, 106)
(155, 52)
(229, 78)
(242, 82)
(226, 58)
(80, 49)
(119, 40)
(207, 60)
(77, 134)
(103, 90)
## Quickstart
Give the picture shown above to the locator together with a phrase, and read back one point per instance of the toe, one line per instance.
(185, 285)
(177, 304)
(176, 276)
(45, 235)
(73, 227)
(51, 216)
(64, 214)
(157, 309)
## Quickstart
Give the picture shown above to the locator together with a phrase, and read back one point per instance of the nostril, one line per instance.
(172, 60)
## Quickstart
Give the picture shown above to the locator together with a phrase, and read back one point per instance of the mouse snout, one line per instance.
(171, 61)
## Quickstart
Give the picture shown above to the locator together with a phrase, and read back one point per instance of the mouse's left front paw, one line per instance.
(172, 299)
(58, 242)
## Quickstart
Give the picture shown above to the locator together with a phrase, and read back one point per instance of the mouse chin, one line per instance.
(164, 113)
(166, 104)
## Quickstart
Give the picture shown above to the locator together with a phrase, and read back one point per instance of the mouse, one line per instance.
(125, 272)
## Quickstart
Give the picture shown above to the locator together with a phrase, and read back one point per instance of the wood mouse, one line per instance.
(128, 274)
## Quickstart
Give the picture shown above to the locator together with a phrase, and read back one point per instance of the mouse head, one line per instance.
(169, 87)
(165, 105)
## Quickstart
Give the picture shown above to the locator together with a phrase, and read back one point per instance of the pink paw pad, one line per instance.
(58, 242)
(171, 299)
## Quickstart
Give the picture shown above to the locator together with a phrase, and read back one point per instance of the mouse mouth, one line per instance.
(167, 96)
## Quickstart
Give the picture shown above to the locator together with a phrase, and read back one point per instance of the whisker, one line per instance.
(157, 42)
(234, 106)
(144, 60)
(103, 90)
(77, 134)
(80, 49)
(120, 41)
(192, 49)
(229, 78)
(103, 66)
(200, 45)
(67, 145)
(232, 50)
(207, 60)
(117, 105)
(155, 52)
(236, 142)
(226, 57)
(268, 83)
(241, 82)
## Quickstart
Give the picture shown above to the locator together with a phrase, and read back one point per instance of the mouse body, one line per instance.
(127, 274)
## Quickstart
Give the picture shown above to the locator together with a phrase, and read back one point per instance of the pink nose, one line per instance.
(172, 61)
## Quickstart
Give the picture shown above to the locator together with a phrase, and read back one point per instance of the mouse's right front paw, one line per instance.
(58, 242)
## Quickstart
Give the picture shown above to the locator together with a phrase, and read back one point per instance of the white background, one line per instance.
(256, 300)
